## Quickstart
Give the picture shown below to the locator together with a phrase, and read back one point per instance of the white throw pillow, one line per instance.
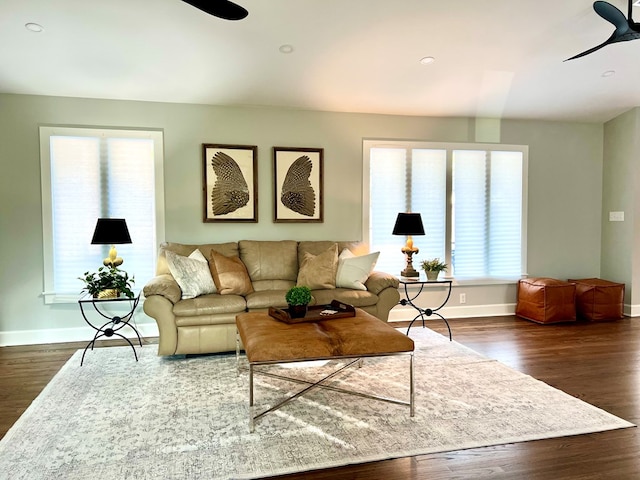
(353, 271)
(192, 273)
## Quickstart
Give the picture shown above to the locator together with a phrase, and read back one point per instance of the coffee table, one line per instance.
(268, 341)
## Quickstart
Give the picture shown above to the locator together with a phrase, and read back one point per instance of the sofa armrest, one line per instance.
(161, 310)
(165, 286)
(378, 281)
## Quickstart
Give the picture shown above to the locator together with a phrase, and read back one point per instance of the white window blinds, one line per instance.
(388, 197)
(92, 173)
(487, 213)
(406, 180)
(428, 197)
(481, 190)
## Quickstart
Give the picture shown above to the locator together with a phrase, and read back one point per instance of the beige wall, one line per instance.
(565, 185)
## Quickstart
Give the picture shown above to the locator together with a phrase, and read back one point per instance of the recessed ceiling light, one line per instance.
(34, 27)
(286, 48)
(609, 73)
(427, 60)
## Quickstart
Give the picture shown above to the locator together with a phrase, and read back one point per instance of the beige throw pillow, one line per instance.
(192, 273)
(229, 274)
(319, 271)
(353, 270)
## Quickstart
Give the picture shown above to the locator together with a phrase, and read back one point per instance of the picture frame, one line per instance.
(298, 185)
(230, 183)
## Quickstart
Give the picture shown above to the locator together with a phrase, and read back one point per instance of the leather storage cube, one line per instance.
(546, 300)
(598, 299)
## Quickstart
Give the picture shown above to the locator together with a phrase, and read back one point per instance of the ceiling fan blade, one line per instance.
(625, 29)
(591, 50)
(613, 15)
(220, 8)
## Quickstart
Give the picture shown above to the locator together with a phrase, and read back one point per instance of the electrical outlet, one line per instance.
(463, 298)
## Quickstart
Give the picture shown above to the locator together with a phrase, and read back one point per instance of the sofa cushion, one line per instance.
(265, 299)
(269, 260)
(195, 332)
(353, 270)
(357, 298)
(265, 285)
(192, 273)
(229, 249)
(209, 305)
(229, 274)
(316, 247)
(319, 271)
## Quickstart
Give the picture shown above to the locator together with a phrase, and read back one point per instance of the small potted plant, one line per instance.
(108, 282)
(298, 298)
(433, 268)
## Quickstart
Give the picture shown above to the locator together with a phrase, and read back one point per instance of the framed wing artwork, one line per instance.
(230, 184)
(297, 174)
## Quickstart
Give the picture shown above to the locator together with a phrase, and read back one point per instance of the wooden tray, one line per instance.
(314, 313)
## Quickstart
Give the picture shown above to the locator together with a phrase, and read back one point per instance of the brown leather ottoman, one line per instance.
(598, 299)
(268, 341)
(546, 300)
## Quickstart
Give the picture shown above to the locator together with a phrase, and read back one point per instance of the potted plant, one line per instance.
(433, 268)
(298, 298)
(108, 282)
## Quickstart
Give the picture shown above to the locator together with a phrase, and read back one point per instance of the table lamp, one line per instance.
(409, 224)
(111, 231)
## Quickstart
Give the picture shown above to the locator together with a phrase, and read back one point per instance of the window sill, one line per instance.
(483, 281)
(51, 298)
(471, 282)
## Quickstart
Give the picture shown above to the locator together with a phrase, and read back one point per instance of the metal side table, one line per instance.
(424, 312)
(113, 325)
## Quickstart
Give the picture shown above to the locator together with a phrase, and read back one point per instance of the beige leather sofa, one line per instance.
(206, 323)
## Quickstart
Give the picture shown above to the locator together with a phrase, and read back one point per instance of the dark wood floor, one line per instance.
(596, 362)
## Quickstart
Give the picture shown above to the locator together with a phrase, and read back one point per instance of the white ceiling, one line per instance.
(494, 58)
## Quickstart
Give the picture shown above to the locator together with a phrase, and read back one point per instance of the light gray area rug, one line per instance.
(174, 418)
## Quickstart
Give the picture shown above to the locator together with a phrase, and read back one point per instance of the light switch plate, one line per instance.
(616, 216)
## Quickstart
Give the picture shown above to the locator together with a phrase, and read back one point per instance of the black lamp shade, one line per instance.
(111, 231)
(408, 224)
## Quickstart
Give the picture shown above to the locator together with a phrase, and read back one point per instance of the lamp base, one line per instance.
(409, 272)
(113, 260)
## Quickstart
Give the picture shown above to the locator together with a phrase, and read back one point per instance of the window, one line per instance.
(472, 199)
(90, 173)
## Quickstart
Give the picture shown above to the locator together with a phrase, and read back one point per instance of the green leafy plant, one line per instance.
(107, 278)
(433, 265)
(300, 295)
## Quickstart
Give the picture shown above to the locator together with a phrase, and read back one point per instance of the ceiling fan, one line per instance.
(626, 28)
(220, 8)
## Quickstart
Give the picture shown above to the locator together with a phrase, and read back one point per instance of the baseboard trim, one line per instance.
(406, 313)
(632, 310)
(403, 314)
(63, 335)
